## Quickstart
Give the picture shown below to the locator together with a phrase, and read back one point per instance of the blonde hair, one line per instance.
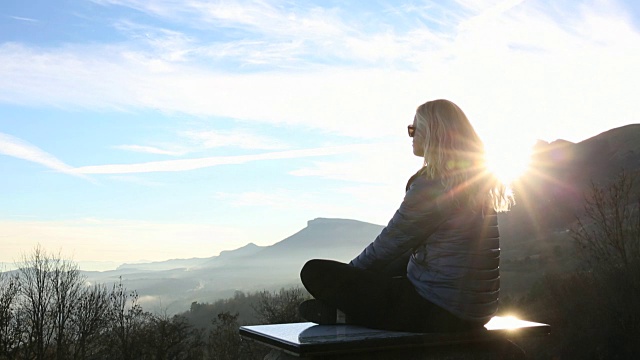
(454, 153)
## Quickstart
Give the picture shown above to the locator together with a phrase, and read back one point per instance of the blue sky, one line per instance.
(155, 129)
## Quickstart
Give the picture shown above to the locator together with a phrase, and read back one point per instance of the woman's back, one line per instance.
(455, 249)
(457, 266)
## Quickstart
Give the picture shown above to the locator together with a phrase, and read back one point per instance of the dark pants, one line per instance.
(380, 300)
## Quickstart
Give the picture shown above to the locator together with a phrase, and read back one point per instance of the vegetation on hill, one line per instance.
(594, 309)
(49, 311)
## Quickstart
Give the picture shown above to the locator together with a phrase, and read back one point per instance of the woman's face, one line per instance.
(418, 141)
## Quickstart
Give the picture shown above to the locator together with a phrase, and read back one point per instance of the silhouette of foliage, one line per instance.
(171, 338)
(200, 314)
(608, 235)
(594, 312)
(224, 340)
(49, 311)
(10, 326)
(127, 320)
(89, 321)
(280, 307)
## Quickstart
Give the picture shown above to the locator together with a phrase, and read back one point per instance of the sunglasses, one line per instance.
(412, 130)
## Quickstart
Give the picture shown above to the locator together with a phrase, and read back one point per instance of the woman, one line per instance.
(434, 267)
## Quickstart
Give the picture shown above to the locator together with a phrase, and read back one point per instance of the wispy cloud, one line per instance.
(383, 163)
(280, 35)
(267, 18)
(150, 150)
(20, 18)
(242, 139)
(18, 148)
(74, 77)
(137, 181)
(160, 43)
(194, 141)
(484, 11)
(193, 164)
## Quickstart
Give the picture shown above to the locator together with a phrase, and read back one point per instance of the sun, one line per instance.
(508, 161)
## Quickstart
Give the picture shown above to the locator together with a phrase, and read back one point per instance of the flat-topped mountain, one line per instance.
(329, 238)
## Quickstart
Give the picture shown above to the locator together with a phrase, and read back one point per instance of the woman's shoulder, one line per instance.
(419, 177)
(421, 180)
(424, 188)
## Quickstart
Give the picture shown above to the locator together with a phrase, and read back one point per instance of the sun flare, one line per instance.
(508, 163)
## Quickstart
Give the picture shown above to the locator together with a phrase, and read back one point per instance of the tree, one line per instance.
(89, 320)
(169, 338)
(608, 235)
(66, 286)
(36, 296)
(280, 307)
(10, 326)
(224, 340)
(126, 320)
(598, 305)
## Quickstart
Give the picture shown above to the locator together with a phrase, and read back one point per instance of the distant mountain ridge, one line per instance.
(324, 237)
(162, 265)
(548, 199)
(225, 256)
(178, 282)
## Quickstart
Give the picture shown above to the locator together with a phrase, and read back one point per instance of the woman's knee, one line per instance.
(317, 272)
(310, 270)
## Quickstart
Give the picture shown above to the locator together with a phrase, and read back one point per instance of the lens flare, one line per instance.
(508, 163)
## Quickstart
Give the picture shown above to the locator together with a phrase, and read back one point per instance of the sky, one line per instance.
(147, 130)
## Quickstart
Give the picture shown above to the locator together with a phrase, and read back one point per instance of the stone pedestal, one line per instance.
(349, 342)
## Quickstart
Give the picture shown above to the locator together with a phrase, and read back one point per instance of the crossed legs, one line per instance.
(374, 299)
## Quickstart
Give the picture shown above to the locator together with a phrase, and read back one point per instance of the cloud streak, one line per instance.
(18, 148)
(20, 18)
(149, 150)
(243, 139)
(193, 164)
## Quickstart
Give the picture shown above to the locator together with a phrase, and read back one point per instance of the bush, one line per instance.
(280, 307)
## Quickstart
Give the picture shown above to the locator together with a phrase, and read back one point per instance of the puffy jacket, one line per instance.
(455, 250)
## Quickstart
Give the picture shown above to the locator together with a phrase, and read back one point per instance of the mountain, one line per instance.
(551, 194)
(228, 256)
(534, 235)
(550, 197)
(340, 239)
(225, 257)
(162, 265)
(174, 284)
(597, 158)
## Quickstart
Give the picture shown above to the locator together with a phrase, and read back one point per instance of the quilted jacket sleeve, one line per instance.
(421, 212)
